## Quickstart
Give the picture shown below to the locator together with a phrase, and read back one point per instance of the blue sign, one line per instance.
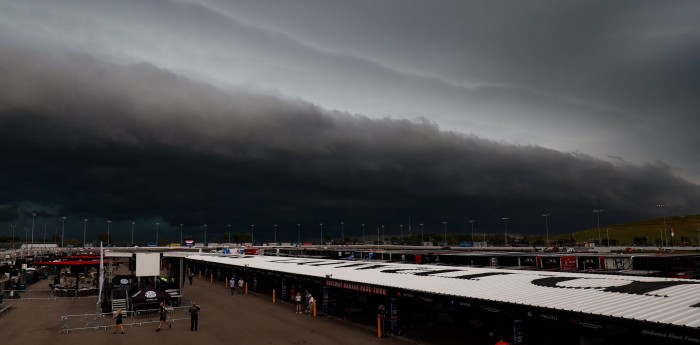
(394, 313)
(517, 332)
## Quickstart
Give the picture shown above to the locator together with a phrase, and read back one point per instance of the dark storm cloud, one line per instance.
(604, 78)
(81, 136)
(638, 58)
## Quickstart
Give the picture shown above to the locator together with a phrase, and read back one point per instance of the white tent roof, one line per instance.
(660, 300)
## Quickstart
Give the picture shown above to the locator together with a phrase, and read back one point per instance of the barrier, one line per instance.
(5, 307)
(40, 295)
(97, 321)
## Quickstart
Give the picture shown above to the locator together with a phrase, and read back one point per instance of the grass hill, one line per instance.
(645, 232)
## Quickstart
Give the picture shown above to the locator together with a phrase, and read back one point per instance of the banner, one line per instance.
(102, 274)
(357, 287)
(394, 313)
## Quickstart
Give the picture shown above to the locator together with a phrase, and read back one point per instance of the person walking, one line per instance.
(381, 314)
(232, 284)
(194, 316)
(190, 276)
(241, 284)
(120, 321)
(163, 317)
(310, 307)
(297, 302)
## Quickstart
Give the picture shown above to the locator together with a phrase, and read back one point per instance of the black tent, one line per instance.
(147, 296)
(123, 281)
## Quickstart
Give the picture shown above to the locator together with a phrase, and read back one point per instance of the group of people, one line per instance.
(309, 302)
(194, 317)
(232, 284)
(163, 318)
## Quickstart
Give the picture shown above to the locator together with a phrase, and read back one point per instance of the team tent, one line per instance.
(149, 297)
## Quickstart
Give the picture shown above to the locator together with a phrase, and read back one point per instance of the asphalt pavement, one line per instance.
(224, 319)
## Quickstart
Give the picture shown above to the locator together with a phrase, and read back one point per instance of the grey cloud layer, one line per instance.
(128, 141)
(596, 77)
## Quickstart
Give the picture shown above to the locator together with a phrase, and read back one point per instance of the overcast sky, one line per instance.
(254, 111)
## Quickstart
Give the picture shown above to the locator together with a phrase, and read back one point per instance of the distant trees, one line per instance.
(640, 241)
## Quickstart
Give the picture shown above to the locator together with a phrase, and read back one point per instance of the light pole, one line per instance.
(546, 227)
(181, 234)
(109, 222)
(421, 234)
(132, 232)
(63, 229)
(383, 235)
(607, 237)
(33, 215)
(321, 225)
(663, 207)
(84, 231)
(157, 226)
(444, 226)
(505, 224)
(342, 233)
(252, 234)
(275, 233)
(401, 227)
(298, 234)
(364, 241)
(597, 217)
(472, 221)
(205, 235)
(14, 227)
(229, 233)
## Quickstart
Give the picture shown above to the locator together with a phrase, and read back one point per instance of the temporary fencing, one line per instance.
(39, 295)
(102, 321)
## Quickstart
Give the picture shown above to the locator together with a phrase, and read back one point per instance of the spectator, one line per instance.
(120, 321)
(381, 315)
(194, 316)
(163, 317)
(297, 302)
(310, 306)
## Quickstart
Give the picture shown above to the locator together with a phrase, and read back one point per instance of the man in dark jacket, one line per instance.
(381, 314)
(194, 316)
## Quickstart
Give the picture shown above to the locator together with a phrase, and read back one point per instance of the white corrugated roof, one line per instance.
(661, 300)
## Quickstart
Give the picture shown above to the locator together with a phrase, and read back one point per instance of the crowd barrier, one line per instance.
(102, 321)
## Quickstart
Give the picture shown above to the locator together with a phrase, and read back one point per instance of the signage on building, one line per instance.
(671, 335)
(357, 287)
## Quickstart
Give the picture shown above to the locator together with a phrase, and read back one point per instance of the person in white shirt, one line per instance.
(310, 307)
(241, 283)
(297, 302)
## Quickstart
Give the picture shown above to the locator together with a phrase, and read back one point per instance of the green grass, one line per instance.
(685, 228)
